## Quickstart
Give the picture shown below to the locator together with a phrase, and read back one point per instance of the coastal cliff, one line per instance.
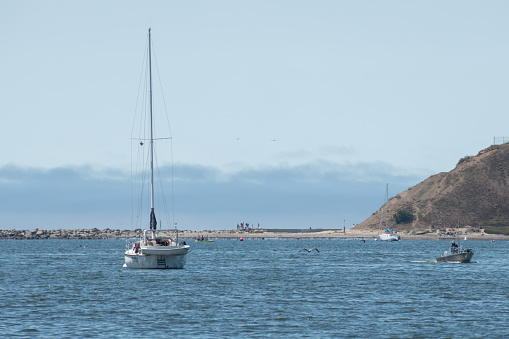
(474, 194)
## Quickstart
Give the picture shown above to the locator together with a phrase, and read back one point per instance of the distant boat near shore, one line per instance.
(389, 234)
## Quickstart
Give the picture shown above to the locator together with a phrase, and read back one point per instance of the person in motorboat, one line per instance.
(454, 247)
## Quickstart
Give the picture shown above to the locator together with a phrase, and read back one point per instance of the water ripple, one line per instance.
(257, 289)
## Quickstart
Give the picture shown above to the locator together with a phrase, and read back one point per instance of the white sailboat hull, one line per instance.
(169, 258)
(388, 237)
(163, 250)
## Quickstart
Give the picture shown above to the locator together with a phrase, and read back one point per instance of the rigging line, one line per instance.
(161, 207)
(144, 156)
(145, 107)
(142, 164)
(143, 70)
(132, 189)
(172, 182)
(145, 118)
(162, 192)
(161, 89)
(138, 187)
(171, 135)
(144, 171)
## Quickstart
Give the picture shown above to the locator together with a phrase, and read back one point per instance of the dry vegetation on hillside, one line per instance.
(475, 193)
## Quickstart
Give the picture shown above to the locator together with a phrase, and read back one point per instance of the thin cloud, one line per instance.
(204, 197)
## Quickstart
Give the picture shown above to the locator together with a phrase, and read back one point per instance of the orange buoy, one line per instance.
(241, 239)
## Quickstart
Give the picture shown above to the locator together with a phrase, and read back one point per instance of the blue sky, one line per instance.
(355, 93)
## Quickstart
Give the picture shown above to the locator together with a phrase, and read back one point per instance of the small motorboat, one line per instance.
(456, 254)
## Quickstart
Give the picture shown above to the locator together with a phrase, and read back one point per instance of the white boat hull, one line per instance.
(157, 258)
(389, 237)
(172, 251)
(460, 257)
(144, 261)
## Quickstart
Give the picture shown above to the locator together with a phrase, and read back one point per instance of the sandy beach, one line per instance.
(95, 233)
(339, 234)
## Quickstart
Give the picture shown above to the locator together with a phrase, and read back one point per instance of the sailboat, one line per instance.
(154, 249)
(389, 234)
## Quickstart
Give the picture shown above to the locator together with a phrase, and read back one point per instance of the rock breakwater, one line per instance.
(93, 233)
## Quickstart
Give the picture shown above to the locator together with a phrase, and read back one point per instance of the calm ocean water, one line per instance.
(255, 288)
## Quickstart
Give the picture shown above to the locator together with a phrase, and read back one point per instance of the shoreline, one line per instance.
(335, 235)
(94, 233)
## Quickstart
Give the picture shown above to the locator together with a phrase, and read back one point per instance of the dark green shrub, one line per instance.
(404, 216)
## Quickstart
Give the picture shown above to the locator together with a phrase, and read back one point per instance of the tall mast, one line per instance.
(153, 221)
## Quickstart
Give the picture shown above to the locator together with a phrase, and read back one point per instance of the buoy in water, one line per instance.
(241, 239)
